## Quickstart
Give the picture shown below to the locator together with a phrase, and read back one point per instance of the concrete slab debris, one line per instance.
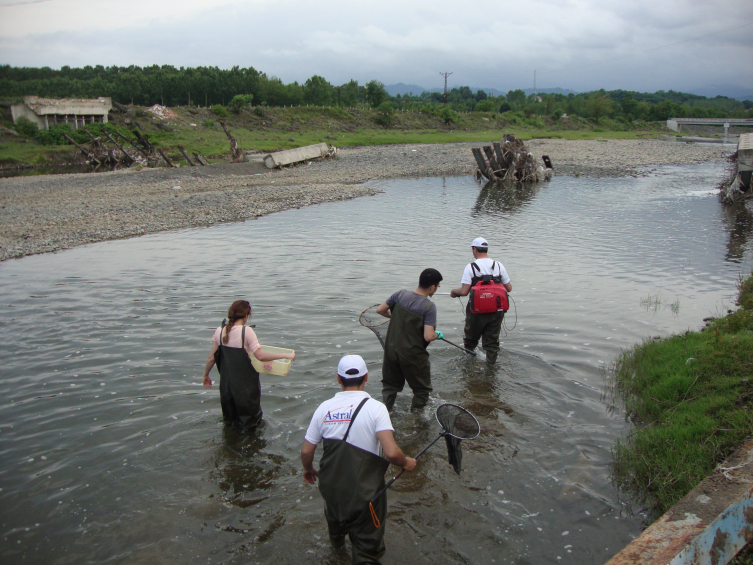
(709, 526)
(297, 155)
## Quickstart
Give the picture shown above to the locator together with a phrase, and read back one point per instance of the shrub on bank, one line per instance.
(54, 135)
(219, 110)
(691, 399)
(25, 127)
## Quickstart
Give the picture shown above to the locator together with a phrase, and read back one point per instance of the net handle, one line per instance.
(443, 433)
(401, 471)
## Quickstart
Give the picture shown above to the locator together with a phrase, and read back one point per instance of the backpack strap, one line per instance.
(474, 268)
(353, 417)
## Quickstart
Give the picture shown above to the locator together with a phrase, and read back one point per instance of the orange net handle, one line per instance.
(374, 518)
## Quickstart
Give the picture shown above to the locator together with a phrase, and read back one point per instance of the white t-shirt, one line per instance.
(332, 419)
(234, 338)
(485, 266)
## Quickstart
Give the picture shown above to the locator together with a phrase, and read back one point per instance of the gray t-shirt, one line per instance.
(415, 303)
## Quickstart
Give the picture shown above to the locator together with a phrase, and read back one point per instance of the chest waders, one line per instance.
(348, 478)
(406, 358)
(484, 327)
(240, 389)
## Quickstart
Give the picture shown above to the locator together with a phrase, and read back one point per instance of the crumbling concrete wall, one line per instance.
(46, 112)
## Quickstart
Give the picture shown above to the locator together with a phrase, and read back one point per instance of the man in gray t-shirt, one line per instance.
(413, 318)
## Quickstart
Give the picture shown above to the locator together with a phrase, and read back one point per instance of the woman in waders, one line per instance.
(240, 390)
(353, 427)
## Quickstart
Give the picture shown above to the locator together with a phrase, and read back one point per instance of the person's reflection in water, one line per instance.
(496, 198)
(738, 220)
(241, 468)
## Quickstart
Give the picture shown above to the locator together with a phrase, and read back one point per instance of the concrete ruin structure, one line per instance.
(745, 159)
(46, 112)
(732, 126)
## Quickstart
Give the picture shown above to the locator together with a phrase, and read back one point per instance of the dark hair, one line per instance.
(429, 277)
(352, 382)
(237, 311)
(481, 249)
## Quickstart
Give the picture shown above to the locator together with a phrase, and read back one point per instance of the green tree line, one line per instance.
(237, 87)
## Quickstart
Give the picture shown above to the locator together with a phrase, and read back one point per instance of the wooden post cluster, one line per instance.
(510, 160)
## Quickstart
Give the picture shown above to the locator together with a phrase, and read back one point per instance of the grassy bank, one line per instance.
(691, 398)
(270, 129)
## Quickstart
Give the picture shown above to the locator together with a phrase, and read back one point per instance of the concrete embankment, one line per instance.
(709, 526)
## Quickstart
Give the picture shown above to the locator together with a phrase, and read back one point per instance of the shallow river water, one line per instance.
(111, 451)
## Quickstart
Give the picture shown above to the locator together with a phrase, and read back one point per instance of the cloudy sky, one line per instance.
(582, 45)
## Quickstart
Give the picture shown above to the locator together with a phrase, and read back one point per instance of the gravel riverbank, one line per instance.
(45, 213)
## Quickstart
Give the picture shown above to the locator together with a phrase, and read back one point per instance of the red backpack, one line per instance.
(488, 294)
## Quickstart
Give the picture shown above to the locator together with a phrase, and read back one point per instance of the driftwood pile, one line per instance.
(510, 161)
(99, 154)
(114, 155)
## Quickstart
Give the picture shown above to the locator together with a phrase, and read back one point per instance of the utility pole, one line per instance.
(445, 75)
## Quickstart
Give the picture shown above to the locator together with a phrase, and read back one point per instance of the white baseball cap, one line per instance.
(479, 242)
(351, 367)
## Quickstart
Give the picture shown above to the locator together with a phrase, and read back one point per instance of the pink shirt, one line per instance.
(234, 338)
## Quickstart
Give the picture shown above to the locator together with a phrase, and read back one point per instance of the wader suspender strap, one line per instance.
(475, 267)
(243, 337)
(353, 418)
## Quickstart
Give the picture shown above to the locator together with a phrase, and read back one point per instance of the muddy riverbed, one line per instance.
(46, 213)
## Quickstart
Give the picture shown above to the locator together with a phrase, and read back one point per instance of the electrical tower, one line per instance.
(445, 75)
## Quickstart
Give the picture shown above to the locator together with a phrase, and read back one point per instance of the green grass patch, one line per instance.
(272, 128)
(691, 398)
(13, 153)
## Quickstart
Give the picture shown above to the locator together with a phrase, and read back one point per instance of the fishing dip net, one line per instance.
(376, 323)
(457, 424)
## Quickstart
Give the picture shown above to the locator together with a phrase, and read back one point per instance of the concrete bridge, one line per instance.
(709, 124)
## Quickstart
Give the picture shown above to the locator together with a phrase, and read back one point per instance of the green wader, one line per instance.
(348, 478)
(240, 389)
(406, 358)
(485, 327)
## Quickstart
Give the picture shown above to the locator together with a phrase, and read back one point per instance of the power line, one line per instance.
(445, 75)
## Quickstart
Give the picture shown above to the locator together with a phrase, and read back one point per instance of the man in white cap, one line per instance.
(355, 430)
(482, 326)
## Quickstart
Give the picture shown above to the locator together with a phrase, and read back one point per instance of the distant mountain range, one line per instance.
(736, 92)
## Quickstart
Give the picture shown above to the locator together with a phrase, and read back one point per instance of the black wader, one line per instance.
(485, 327)
(406, 358)
(348, 478)
(240, 389)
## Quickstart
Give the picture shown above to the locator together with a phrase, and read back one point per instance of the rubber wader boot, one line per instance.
(406, 357)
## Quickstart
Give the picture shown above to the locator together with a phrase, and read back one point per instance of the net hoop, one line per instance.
(361, 317)
(462, 410)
